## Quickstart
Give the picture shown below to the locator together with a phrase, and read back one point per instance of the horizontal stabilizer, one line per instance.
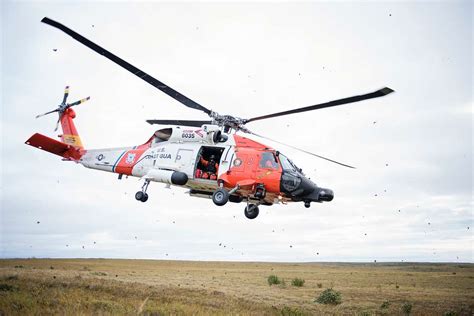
(53, 146)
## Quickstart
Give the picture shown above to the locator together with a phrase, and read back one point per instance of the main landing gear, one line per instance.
(142, 195)
(221, 196)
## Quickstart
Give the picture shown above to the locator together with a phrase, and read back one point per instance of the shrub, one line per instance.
(289, 311)
(406, 308)
(98, 273)
(6, 288)
(320, 285)
(450, 313)
(297, 282)
(273, 279)
(385, 305)
(329, 296)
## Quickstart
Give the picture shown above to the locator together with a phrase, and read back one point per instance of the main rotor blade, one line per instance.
(305, 151)
(179, 122)
(79, 102)
(134, 70)
(40, 115)
(379, 93)
(66, 93)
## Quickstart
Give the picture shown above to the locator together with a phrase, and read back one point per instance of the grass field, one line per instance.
(102, 286)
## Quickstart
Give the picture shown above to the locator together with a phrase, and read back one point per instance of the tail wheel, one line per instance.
(251, 211)
(220, 197)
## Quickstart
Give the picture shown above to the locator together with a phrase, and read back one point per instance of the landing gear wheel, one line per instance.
(220, 197)
(141, 196)
(307, 204)
(251, 211)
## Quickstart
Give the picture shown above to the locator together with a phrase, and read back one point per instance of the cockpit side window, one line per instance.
(268, 161)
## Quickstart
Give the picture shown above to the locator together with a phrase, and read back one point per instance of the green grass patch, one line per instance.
(329, 296)
(273, 279)
(297, 282)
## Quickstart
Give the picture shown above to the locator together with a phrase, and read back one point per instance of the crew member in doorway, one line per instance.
(210, 167)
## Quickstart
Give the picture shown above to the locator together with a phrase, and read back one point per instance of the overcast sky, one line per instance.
(410, 198)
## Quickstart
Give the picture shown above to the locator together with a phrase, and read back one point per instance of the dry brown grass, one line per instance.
(97, 286)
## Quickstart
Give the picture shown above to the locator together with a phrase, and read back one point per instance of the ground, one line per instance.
(152, 287)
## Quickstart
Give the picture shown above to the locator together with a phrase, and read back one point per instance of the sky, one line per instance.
(410, 198)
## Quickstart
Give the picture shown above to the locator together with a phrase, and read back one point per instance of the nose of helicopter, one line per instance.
(317, 194)
(324, 194)
(300, 188)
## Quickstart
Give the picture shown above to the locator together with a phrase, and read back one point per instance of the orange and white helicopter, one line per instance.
(206, 156)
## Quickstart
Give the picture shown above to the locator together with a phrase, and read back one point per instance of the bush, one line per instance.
(450, 313)
(329, 296)
(289, 311)
(273, 279)
(6, 288)
(406, 308)
(385, 305)
(297, 282)
(320, 285)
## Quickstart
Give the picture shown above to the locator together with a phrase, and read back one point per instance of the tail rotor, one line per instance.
(63, 106)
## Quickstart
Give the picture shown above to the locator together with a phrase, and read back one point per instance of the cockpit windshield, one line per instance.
(288, 165)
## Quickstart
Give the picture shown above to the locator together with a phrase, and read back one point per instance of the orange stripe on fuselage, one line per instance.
(129, 160)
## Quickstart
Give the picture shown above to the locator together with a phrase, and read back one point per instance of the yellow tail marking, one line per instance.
(73, 140)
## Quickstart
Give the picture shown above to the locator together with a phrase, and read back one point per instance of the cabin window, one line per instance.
(268, 161)
(163, 135)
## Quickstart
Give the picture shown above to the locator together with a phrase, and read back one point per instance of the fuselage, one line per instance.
(176, 152)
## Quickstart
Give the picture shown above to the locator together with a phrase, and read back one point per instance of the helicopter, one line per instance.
(209, 157)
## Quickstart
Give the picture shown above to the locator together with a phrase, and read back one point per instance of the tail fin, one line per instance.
(71, 146)
(53, 146)
(70, 135)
